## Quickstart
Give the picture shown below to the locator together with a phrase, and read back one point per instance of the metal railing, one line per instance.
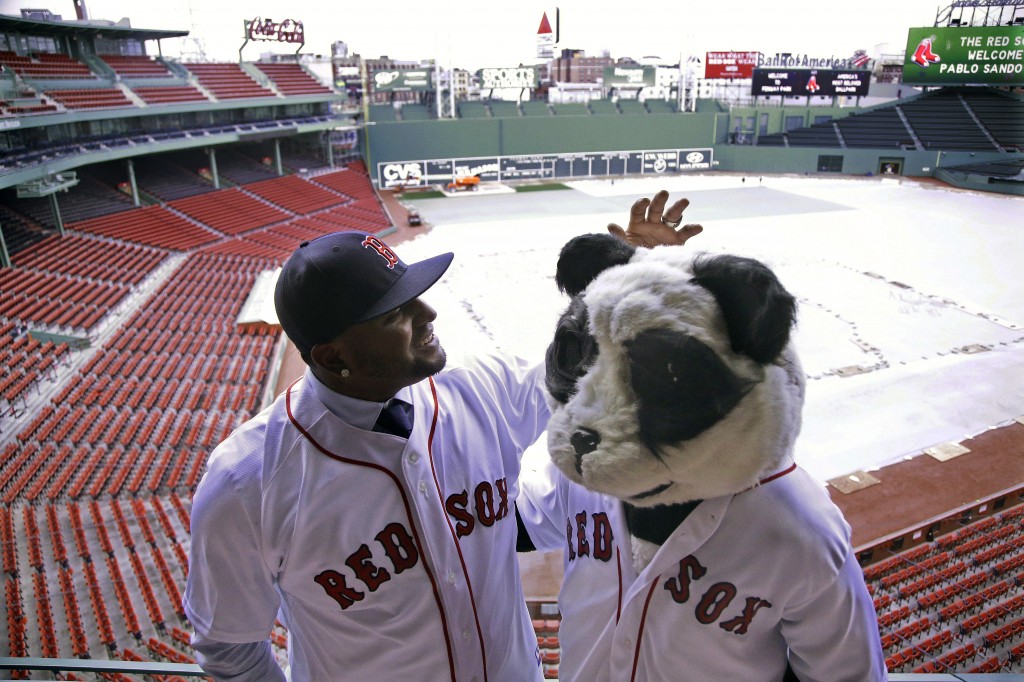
(61, 665)
(93, 665)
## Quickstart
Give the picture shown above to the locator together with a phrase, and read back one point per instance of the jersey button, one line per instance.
(465, 635)
(413, 458)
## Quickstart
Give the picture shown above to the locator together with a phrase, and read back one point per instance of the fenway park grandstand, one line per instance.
(145, 201)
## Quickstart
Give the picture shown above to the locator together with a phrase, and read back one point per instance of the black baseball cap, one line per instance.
(338, 280)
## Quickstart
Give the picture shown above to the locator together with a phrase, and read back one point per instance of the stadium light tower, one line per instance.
(445, 100)
(982, 13)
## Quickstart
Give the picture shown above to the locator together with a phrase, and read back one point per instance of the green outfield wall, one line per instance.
(458, 138)
(747, 159)
(557, 138)
(461, 138)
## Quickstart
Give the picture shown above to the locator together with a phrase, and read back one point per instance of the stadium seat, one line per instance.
(227, 81)
(136, 66)
(292, 79)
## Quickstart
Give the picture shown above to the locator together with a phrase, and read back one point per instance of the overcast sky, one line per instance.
(483, 33)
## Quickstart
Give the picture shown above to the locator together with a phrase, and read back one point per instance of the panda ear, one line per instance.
(758, 311)
(682, 386)
(584, 257)
(571, 353)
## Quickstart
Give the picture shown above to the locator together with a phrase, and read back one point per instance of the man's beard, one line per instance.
(421, 368)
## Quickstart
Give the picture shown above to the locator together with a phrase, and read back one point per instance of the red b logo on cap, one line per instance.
(383, 249)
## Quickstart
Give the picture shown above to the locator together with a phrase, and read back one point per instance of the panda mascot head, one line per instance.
(672, 376)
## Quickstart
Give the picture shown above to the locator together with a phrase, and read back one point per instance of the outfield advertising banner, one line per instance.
(730, 64)
(810, 82)
(522, 77)
(628, 76)
(543, 166)
(978, 55)
(395, 80)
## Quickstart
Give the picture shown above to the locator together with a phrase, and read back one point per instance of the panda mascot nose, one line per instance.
(584, 441)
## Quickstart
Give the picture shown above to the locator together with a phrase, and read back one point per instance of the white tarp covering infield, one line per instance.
(911, 319)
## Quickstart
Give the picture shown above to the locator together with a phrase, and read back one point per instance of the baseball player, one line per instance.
(384, 554)
(709, 605)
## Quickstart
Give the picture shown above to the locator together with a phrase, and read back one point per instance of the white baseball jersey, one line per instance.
(743, 579)
(386, 557)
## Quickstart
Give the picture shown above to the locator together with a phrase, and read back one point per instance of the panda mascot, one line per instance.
(695, 548)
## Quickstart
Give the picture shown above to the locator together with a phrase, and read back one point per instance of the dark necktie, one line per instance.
(395, 418)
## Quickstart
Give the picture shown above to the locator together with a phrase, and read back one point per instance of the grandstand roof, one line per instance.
(59, 29)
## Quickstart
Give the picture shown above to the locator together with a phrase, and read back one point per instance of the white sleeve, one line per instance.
(516, 388)
(229, 594)
(541, 505)
(252, 662)
(833, 636)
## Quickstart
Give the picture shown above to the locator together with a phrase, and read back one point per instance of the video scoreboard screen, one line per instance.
(810, 82)
(982, 55)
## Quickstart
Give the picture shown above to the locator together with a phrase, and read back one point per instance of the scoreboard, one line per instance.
(543, 166)
(785, 82)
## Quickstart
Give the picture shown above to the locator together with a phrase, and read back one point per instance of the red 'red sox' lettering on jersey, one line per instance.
(590, 535)
(585, 542)
(715, 600)
(400, 550)
(489, 504)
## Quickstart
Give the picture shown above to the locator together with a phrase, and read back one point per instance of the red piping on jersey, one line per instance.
(451, 529)
(650, 593)
(793, 467)
(640, 632)
(778, 474)
(618, 568)
(405, 502)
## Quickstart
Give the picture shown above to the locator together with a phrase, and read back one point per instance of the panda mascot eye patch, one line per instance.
(682, 386)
